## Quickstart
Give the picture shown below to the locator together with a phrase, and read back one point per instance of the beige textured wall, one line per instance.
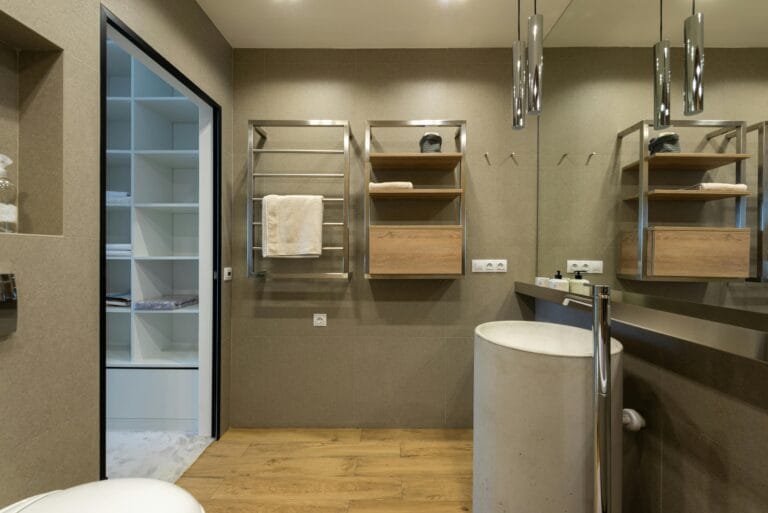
(591, 94)
(395, 353)
(49, 370)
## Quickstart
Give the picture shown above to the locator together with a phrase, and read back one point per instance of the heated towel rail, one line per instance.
(257, 139)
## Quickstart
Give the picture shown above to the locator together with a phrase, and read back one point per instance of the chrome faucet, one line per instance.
(601, 405)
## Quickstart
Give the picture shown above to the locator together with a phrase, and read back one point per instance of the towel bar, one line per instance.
(325, 248)
(317, 152)
(258, 223)
(324, 199)
(300, 175)
(257, 139)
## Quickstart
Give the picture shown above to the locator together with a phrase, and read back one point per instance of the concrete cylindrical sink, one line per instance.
(533, 418)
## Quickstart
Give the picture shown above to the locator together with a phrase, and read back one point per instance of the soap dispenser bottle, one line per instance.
(558, 282)
(8, 210)
(579, 285)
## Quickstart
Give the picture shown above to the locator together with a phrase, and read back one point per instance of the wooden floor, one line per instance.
(335, 471)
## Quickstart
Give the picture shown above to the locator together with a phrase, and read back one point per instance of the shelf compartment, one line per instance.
(192, 309)
(118, 70)
(173, 208)
(415, 161)
(688, 161)
(177, 109)
(688, 252)
(153, 278)
(689, 195)
(166, 232)
(165, 340)
(147, 84)
(444, 193)
(424, 250)
(165, 125)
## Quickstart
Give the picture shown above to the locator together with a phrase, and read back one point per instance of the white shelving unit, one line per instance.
(153, 153)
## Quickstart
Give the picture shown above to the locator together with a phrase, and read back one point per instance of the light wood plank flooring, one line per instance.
(335, 471)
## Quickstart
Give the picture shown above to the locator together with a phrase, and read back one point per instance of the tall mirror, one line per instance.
(669, 221)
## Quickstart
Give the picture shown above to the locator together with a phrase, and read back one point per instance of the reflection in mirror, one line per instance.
(699, 245)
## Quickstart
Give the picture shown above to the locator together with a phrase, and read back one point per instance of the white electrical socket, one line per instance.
(319, 320)
(489, 266)
(585, 266)
(227, 274)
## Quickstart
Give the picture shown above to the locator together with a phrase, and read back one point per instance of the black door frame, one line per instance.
(108, 19)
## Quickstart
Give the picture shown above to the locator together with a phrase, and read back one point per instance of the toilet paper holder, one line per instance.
(8, 305)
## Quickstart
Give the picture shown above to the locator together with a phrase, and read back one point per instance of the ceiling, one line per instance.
(374, 23)
(478, 23)
(727, 23)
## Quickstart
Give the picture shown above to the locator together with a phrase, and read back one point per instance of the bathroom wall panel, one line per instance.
(581, 210)
(49, 370)
(427, 325)
(706, 439)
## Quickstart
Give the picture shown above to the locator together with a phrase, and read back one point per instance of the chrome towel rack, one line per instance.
(257, 138)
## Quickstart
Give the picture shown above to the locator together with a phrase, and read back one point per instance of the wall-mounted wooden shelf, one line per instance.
(415, 193)
(686, 253)
(427, 248)
(415, 161)
(423, 250)
(689, 195)
(688, 161)
(689, 252)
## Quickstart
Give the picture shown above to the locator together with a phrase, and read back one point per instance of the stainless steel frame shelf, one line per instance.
(762, 202)
(461, 139)
(257, 128)
(718, 128)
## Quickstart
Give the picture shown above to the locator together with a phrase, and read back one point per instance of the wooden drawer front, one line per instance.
(698, 252)
(415, 249)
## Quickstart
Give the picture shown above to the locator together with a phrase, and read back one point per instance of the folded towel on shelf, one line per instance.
(115, 250)
(173, 302)
(116, 246)
(374, 186)
(118, 198)
(712, 186)
(292, 226)
(118, 299)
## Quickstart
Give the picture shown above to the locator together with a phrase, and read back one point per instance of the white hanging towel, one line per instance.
(292, 226)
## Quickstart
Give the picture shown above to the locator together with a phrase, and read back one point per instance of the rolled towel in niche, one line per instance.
(713, 186)
(378, 186)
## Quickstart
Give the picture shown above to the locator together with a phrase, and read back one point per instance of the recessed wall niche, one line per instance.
(31, 124)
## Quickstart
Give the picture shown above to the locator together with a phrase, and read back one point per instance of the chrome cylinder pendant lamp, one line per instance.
(693, 89)
(662, 76)
(535, 60)
(519, 72)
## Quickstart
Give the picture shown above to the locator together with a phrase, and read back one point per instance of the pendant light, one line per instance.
(518, 78)
(693, 90)
(662, 76)
(535, 60)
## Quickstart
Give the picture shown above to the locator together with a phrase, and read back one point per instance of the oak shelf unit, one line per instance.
(415, 161)
(687, 161)
(415, 193)
(685, 253)
(427, 249)
(688, 195)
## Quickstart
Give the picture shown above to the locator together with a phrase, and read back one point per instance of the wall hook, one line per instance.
(562, 159)
(513, 156)
(487, 158)
(590, 157)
